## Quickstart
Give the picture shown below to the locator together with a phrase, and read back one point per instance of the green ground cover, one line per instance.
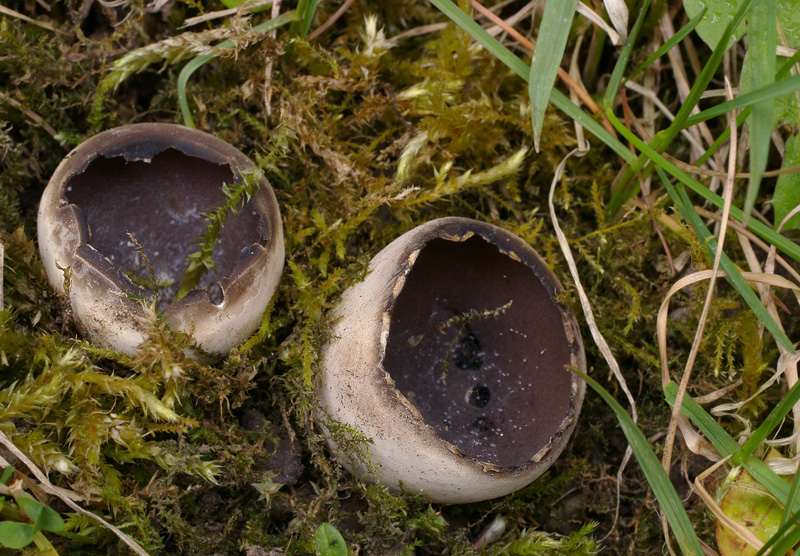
(396, 113)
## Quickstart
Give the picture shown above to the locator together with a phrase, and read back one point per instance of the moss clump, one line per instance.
(362, 136)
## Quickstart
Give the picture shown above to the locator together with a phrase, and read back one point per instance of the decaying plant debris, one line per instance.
(378, 123)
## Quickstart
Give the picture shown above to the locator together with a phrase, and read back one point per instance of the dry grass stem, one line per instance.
(588, 314)
(692, 169)
(575, 74)
(682, 83)
(618, 14)
(739, 229)
(33, 116)
(740, 530)
(728, 193)
(675, 417)
(44, 25)
(419, 31)
(210, 16)
(331, 20)
(276, 11)
(514, 19)
(714, 93)
(598, 20)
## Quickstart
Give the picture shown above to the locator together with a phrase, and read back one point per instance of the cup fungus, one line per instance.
(451, 359)
(151, 184)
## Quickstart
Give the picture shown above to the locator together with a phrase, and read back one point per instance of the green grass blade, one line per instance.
(762, 41)
(705, 77)
(783, 542)
(624, 56)
(308, 15)
(723, 137)
(763, 231)
(306, 9)
(553, 33)
(786, 67)
(769, 424)
(183, 79)
(734, 277)
(715, 434)
(629, 184)
(682, 33)
(783, 72)
(563, 103)
(523, 70)
(726, 445)
(753, 98)
(200, 61)
(7, 472)
(656, 477)
(794, 491)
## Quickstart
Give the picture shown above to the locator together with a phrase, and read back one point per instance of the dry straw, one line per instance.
(597, 335)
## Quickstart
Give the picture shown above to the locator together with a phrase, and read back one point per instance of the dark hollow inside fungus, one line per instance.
(477, 345)
(161, 204)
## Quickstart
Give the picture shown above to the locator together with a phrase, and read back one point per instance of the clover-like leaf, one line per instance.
(14, 534)
(329, 541)
(747, 502)
(43, 517)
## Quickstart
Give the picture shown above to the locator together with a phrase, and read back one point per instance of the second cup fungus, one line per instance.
(451, 359)
(122, 213)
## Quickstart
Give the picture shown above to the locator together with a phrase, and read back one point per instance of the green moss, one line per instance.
(363, 140)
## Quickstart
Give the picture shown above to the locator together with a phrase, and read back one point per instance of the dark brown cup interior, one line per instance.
(161, 204)
(490, 381)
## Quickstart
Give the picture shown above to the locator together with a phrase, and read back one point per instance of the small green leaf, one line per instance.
(267, 487)
(232, 3)
(329, 541)
(550, 45)
(787, 190)
(719, 14)
(7, 472)
(16, 535)
(42, 516)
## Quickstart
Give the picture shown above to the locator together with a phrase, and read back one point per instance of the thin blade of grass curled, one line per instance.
(200, 61)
